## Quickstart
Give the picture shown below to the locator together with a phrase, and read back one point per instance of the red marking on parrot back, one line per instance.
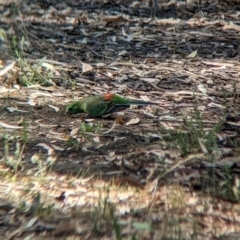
(108, 96)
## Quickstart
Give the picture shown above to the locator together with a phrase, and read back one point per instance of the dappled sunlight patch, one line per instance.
(61, 194)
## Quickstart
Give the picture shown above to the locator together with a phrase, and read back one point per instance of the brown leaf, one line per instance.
(86, 67)
(120, 120)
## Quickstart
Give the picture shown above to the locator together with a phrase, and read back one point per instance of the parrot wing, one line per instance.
(116, 108)
(96, 109)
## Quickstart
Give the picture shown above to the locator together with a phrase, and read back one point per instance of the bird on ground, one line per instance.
(98, 105)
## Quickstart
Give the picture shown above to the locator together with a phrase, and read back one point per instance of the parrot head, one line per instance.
(74, 108)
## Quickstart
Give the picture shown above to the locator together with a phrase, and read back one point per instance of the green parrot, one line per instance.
(98, 105)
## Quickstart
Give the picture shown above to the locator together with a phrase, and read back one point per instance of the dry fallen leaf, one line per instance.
(96, 139)
(6, 90)
(56, 109)
(100, 65)
(145, 98)
(46, 147)
(204, 149)
(6, 125)
(202, 89)
(133, 121)
(74, 131)
(12, 109)
(31, 102)
(48, 66)
(193, 54)
(7, 68)
(86, 67)
(231, 26)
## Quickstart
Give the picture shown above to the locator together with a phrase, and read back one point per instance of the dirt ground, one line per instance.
(169, 171)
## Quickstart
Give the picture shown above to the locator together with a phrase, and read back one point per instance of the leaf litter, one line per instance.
(99, 47)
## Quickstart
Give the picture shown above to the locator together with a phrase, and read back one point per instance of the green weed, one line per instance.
(90, 127)
(37, 208)
(73, 143)
(187, 138)
(14, 161)
(30, 73)
(104, 217)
